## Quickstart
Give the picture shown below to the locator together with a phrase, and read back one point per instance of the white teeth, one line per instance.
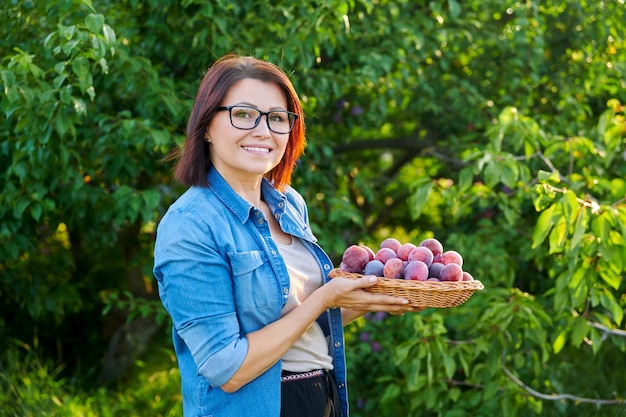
(255, 149)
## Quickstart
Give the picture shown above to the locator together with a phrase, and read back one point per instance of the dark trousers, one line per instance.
(315, 396)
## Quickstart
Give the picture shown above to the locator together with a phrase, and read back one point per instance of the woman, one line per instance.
(257, 325)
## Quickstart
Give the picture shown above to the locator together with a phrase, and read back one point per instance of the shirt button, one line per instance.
(337, 344)
(340, 385)
(326, 267)
(281, 204)
(286, 291)
(277, 216)
(261, 221)
(273, 252)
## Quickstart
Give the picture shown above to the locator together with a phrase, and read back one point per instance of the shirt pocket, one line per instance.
(254, 281)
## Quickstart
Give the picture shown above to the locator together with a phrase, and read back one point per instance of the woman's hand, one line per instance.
(350, 294)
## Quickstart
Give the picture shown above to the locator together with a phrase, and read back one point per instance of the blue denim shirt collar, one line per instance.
(243, 209)
(240, 207)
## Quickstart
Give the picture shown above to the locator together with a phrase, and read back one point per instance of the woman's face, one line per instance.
(246, 155)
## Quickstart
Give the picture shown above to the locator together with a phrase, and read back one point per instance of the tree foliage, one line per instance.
(499, 129)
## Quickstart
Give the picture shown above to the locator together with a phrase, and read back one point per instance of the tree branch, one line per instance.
(556, 397)
(415, 142)
(606, 330)
(405, 142)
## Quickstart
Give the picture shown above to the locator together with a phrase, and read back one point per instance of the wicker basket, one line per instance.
(421, 294)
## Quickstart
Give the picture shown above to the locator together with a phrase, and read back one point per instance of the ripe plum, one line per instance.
(374, 267)
(370, 252)
(416, 270)
(391, 243)
(384, 254)
(467, 276)
(355, 258)
(451, 272)
(404, 251)
(393, 268)
(424, 262)
(433, 244)
(451, 257)
(435, 269)
(421, 253)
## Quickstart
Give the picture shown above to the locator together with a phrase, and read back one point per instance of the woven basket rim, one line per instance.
(440, 286)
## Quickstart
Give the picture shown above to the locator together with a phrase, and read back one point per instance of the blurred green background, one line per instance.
(496, 127)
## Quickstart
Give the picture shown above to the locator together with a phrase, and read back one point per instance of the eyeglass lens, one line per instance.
(279, 121)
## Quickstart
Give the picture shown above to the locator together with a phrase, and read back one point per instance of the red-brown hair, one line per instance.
(194, 159)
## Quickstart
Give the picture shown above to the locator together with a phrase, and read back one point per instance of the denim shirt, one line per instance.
(220, 276)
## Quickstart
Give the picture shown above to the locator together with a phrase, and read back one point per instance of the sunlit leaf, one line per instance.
(559, 341)
(544, 225)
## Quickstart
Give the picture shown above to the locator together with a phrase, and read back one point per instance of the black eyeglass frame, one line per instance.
(261, 114)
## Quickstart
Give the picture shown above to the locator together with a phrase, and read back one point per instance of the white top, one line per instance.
(311, 350)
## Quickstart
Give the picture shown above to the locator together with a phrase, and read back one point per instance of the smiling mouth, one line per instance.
(256, 149)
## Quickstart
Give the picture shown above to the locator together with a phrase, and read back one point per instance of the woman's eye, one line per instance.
(242, 114)
(277, 117)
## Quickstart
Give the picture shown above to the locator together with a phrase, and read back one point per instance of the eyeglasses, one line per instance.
(247, 118)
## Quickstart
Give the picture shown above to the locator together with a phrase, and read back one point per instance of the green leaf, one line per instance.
(69, 46)
(454, 394)
(466, 177)
(391, 393)
(601, 226)
(65, 94)
(8, 79)
(59, 80)
(94, 22)
(19, 208)
(608, 301)
(419, 197)
(88, 4)
(559, 342)
(492, 174)
(12, 93)
(151, 198)
(21, 170)
(455, 9)
(62, 124)
(614, 280)
(491, 389)
(558, 236)
(577, 277)
(545, 222)
(79, 106)
(510, 173)
(91, 91)
(109, 35)
(582, 217)
(596, 340)
(401, 352)
(580, 329)
(449, 365)
(80, 66)
(570, 206)
(36, 211)
(543, 176)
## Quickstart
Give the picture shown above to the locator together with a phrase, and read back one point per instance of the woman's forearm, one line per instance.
(267, 345)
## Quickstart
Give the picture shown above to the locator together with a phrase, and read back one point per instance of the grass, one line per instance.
(33, 386)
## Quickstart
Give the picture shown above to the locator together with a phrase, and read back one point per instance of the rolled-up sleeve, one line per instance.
(195, 286)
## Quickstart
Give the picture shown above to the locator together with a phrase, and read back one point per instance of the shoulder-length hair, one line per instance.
(194, 159)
